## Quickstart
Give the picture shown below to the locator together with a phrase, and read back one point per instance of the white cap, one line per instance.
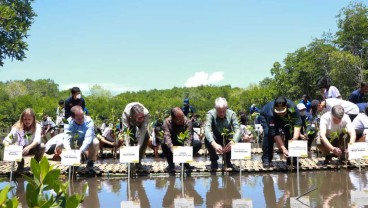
(301, 106)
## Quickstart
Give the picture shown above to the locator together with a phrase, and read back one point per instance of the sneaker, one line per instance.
(188, 167)
(170, 169)
(266, 164)
(233, 168)
(141, 168)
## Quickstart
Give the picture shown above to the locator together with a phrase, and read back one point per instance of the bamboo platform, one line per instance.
(110, 167)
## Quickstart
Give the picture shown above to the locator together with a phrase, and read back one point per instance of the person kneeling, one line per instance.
(332, 132)
(108, 139)
(26, 132)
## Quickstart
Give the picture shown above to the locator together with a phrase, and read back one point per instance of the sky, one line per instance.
(137, 45)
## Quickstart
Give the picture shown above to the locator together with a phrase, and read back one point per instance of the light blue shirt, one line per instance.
(84, 133)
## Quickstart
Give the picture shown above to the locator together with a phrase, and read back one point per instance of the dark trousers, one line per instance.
(169, 155)
(268, 141)
(213, 154)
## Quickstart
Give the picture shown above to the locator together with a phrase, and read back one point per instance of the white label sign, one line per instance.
(358, 150)
(298, 148)
(183, 154)
(184, 202)
(71, 157)
(130, 204)
(242, 203)
(302, 202)
(241, 151)
(359, 198)
(13, 153)
(129, 154)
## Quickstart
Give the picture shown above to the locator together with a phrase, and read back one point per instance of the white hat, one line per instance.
(301, 106)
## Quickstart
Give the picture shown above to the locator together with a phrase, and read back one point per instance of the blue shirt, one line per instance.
(254, 109)
(83, 133)
(188, 109)
(356, 96)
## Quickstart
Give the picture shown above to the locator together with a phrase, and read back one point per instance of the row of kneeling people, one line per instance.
(281, 121)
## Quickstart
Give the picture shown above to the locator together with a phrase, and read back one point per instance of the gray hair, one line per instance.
(337, 111)
(220, 102)
(136, 109)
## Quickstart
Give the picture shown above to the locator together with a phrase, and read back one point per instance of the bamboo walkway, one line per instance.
(111, 167)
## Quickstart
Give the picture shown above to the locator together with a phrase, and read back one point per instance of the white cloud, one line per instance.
(114, 88)
(203, 78)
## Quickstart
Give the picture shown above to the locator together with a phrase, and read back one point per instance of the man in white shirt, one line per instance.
(333, 125)
(351, 109)
(360, 124)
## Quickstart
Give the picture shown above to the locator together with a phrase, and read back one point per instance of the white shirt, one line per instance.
(330, 126)
(349, 107)
(361, 121)
(107, 134)
(18, 136)
(332, 92)
(57, 139)
(142, 130)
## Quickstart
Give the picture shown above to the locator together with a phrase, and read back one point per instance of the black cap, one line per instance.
(280, 105)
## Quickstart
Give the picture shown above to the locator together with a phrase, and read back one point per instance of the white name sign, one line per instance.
(359, 198)
(241, 151)
(129, 154)
(184, 202)
(358, 150)
(183, 154)
(13, 153)
(298, 148)
(130, 204)
(302, 202)
(71, 157)
(246, 203)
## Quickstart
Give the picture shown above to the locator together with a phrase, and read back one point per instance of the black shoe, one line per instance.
(90, 169)
(233, 167)
(20, 167)
(141, 168)
(266, 164)
(188, 167)
(214, 166)
(328, 160)
(170, 169)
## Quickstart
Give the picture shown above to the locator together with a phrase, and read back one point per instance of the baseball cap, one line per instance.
(301, 106)
(186, 101)
(280, 105)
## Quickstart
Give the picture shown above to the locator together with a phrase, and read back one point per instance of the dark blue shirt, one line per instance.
(356, 96)
(272, 123)
(70, 102)
(188, 109)
(253, 110)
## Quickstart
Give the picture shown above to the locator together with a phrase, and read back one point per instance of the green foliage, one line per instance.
(5, 201)
(16, 17)
(45, 178)
(226, 133)
(183, 136)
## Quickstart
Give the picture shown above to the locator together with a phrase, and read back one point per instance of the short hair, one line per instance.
(363, 84)
(61, 102)
(75, 90)
(136, 109)
(74, 109)
(337, 111)
(220, 102)
(174, 112)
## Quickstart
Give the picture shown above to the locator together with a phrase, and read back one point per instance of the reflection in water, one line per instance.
(222, 191)
(265, 190)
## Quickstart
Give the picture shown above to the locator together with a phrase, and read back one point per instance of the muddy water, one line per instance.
(332, 189)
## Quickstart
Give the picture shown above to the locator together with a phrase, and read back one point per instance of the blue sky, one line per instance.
(155, 44)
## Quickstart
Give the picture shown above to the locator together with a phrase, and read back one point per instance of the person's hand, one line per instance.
(26, 150)
(285, 151)
(336, 151)
(57, 151)
(303, 136)
(217, 148)
(228, 147)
